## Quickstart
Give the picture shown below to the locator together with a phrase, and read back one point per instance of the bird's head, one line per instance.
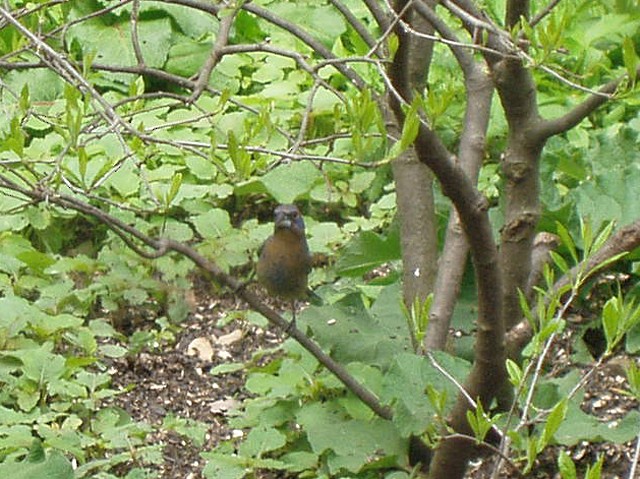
(288, 217)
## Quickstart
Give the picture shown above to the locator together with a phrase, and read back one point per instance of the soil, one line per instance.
(177, 380)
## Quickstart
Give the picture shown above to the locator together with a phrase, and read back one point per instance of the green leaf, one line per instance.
(299, 461)
(185, 57)
(354, 443)
(353, 333)
(360, 182)
(215, 223)
(288, 182)
(411, 125)
(224, 466)
(40, 365)
(37, 261)
(113, 351)
(610, 194)
(579, 426)
(630, 58)
(323, 237)
(367, 251)
(191, 22)
(39, 217)
(126, 180)
(239, 156)
(566, 466)
(632, 339)
(515, 373)
(47, 325)
(553, 422)
(479, 422)
(113, 45)
(633, 376)
(567, 241)
(43, 84)
(176, 182)
(559, 261)
(226, 368)
(201, 168)
(611, 321)
(55, 466)
(10, 264)
(407, 384)
(595, 471)
(261, 440)
(320, 21)
(195, 431)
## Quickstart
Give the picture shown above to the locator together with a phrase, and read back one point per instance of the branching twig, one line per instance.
(214, 57)
(134, 32)
(304, 123)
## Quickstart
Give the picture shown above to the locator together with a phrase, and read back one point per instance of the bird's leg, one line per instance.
(292, 324)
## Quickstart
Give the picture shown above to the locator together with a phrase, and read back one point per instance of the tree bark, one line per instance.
(414, 181)
(520, 167)
(454, 255)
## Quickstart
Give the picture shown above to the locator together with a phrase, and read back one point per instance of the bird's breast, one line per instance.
(284, 265)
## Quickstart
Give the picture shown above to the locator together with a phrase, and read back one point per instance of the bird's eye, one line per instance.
(294, 214)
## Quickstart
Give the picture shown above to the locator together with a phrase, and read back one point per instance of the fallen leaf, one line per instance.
(230, 338)
(200, 347)
(224, 355)
(223, 405)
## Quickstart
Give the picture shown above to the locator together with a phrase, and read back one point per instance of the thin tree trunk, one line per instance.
(454, 255)
(414, 182)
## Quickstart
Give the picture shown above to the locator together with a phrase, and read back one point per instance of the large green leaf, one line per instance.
(406, 383)
(580, 426)
(367, 251)
(112, 44)
(353, 333)
(610, 192)
(55, 466)
(353, 443)
(44, 85)
(192, 22)
(321, 21)
(288, 182)
(261, 440)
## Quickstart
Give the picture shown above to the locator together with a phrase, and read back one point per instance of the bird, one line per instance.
(284, 263)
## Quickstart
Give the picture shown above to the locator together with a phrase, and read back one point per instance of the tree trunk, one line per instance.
(414, 181)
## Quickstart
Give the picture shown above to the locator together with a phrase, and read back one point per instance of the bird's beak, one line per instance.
(284, 223)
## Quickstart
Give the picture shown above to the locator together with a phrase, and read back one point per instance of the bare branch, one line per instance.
(548, 128)
(214, 57)
(303, 35)
(356, 24)
(544, 12)
(304, 123)
(448, 37)
(134, 32)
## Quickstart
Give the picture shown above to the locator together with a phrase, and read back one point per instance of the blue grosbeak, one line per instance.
(285, 260)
